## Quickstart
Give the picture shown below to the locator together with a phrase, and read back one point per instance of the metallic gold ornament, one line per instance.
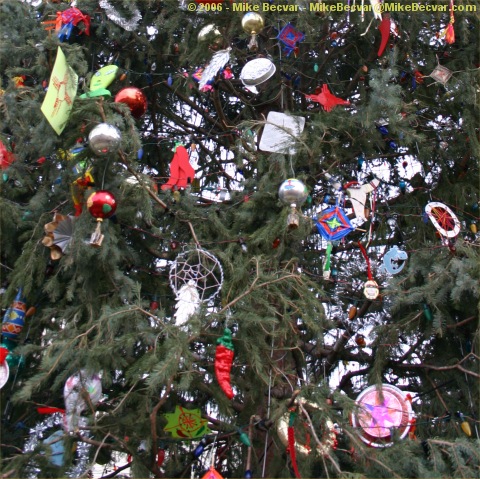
(252, 23)
(210, 33)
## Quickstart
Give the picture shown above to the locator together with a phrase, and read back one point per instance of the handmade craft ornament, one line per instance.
(381, 410)
(449, 32)
(134, 98)
(196, 276)
(327, 262)
(333, 224)
(326, 98)
(218, 61)
(290, 36)
(100, 80)
(14, 318)
(212, 473)
(394, 260)
(58, 235)
(68, 19)
(61, 93)
(281, 132)
(252, 23)
(328, 437)
(181, 171)
(255, 72)
(186, 423)
(441, 74)
(80, 188)
(81, 391)
(370, 289)
(56, 448)
(101, 205)
(104, 139)
(376, 8)
(443, 219)
(358, 197)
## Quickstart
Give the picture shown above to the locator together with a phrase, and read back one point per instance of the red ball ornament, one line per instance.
(134, 98)
(101, 204)
(6, 157)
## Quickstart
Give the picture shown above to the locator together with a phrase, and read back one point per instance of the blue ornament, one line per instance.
(57, 448)
(394, 260)
(14, 318)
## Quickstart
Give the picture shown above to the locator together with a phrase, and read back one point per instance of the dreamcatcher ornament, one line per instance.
(196, 276)
(382, 410)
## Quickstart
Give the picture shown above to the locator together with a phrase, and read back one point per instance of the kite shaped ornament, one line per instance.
(327, 99)
(358, 197)
(181, 171)
(333, 225)
(290, 36)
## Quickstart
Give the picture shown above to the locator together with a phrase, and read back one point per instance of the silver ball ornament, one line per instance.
(104, 139)
(293, 191)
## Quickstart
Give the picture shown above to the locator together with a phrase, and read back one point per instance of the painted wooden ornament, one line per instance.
(394, 260)
(370, 289)
(186, 423)
(381, 410)
(328, 437)
(14, 318)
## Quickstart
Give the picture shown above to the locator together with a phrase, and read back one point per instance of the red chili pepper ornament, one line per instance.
(223, 362)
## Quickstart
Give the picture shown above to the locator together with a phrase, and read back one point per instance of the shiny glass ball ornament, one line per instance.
(104, 139)
(252, 23)
(293, 191)
(134, 98)
(209, 33)
(101, 204)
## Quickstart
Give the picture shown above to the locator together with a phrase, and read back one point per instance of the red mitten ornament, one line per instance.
(327, 99)
(181, 171)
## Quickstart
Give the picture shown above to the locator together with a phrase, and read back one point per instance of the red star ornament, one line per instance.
(327, 99)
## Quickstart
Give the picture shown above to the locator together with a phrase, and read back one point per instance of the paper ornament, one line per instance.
(255, 72)
(381, 411)
(441, 74)
(218, 61)
(327, 99)
(58, 235)
(443, 218)
(290, 36)
(186, 423)
(61, 93)
(281, 132)
(333, 224)
(181, 171)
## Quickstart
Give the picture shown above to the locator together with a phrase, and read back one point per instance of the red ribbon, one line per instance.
(291, 450)
(49, 410)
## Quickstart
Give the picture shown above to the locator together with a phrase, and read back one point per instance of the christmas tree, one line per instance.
(239, 239)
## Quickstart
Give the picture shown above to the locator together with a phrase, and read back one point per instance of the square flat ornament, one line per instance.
(441, 74)
(280, 132)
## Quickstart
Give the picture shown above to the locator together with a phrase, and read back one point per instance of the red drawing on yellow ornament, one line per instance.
(62, 92)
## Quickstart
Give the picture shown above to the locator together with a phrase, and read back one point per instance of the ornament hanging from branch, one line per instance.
(181, 171)
(358, 196)
(441, 74)
(443, 219)
(326, 98)
(69, 18)
(384, 29)
(293, 193)
(101, 205)
(62, 89)
(58, 236)
(280, 132)
(255, 72)
(4, 369)
(186, 423)
(127, 24)
(196, 276)
(252, 23)
(224, 354)
(14, 318)
(449, 32)
(104, 139)
(100, 80)
(333, 224)
(394, 260)
(380, 411)
(286, 426)
(218, 61)
(290, 36)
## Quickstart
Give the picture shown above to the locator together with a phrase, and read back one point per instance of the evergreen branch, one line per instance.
(117, 471)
